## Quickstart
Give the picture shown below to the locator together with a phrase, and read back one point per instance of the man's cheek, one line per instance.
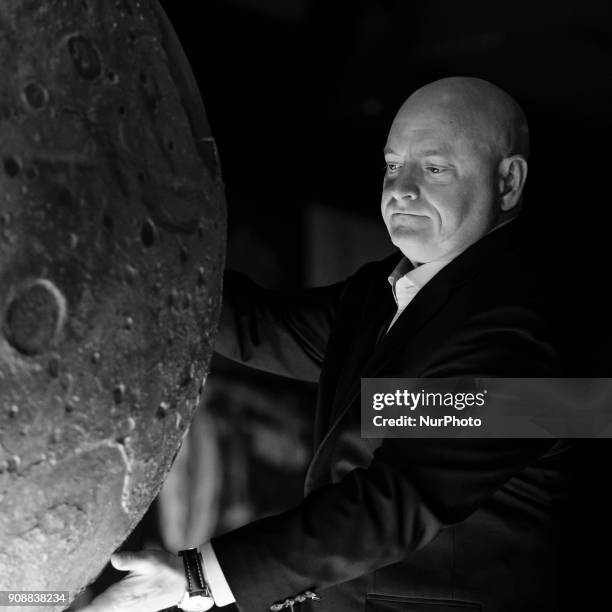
(384, 204)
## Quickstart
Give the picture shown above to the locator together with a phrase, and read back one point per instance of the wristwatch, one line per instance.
(198, 596)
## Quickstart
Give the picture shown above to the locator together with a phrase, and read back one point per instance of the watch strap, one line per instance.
(196, 584)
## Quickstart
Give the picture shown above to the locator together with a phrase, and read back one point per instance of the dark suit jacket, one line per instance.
(404, 524)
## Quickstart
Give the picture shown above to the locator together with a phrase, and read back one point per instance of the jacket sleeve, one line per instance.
(371, 518)
(285, 333)
(412, 489)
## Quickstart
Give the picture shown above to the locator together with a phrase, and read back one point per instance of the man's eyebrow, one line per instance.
(424, 152)
(443, 152)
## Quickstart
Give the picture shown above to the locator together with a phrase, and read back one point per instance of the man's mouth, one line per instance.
(406, 214)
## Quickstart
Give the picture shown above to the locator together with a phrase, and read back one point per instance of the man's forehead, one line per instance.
(435, 127)
(430, 140)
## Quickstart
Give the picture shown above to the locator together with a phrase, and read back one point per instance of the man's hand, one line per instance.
(156, 581)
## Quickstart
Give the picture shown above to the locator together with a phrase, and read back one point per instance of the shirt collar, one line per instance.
(419, 276)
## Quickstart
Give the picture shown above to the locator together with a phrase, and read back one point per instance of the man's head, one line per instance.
(456, 164)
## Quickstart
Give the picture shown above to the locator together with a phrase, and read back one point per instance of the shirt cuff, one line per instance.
(214, 577)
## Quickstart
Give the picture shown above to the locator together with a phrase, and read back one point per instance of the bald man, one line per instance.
(389, 525)
(456, 160)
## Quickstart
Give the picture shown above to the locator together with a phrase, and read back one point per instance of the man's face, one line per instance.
(439, 191)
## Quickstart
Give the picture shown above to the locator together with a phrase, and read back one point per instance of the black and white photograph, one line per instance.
(305, 305)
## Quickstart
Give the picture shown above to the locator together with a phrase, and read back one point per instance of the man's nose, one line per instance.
(406, 187)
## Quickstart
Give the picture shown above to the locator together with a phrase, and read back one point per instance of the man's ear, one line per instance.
(512, 176)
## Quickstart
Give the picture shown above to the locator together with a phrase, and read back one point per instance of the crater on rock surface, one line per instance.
(85, 56)
(36, 95)
(34, 317)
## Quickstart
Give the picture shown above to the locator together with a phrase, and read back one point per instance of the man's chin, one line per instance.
(415, 246)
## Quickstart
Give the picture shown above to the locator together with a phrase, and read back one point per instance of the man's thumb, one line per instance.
(132, 561)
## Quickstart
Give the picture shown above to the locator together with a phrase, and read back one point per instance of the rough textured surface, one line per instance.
(112, 230)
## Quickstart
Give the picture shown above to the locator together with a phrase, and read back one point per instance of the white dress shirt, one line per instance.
(406, 283)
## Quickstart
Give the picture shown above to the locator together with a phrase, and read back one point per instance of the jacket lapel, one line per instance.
(378, 308)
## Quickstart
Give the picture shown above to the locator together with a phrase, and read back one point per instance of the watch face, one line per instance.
(196, 603)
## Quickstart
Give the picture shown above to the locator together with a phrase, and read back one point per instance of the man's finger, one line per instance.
(141, 561)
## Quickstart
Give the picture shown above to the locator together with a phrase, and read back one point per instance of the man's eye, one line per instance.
(434, 170)
(391, 166)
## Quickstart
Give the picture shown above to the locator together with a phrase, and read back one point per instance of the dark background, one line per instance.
(300, 95)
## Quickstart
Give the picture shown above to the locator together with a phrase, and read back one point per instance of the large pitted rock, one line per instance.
(112, 230)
